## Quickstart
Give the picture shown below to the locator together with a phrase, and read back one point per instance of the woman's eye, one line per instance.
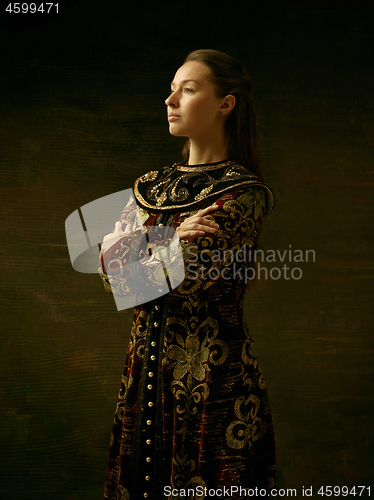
(186, 90)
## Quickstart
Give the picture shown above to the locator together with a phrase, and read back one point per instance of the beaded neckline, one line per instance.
(184, 167)
(181, 186)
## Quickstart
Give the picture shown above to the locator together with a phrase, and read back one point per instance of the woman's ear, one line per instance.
(227, 104)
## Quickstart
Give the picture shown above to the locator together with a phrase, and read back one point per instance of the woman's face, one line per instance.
(193, 106)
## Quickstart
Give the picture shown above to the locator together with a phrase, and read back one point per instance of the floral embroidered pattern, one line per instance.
(249, 427)
(255, 197)
(189, 360)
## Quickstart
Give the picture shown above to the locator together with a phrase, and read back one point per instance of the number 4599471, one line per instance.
(32, 8)
(337, 491)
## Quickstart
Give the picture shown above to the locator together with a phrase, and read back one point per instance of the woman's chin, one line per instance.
(175, 132)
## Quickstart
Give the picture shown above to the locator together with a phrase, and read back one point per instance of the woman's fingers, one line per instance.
(209, 223)
(200, 216)
(206, 210)
(203, 221)
(206, 225)
(118, 233)
(199, 228)
(118, 227)
(198, 224)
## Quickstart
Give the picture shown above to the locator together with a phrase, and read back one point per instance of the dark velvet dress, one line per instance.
(193, 412)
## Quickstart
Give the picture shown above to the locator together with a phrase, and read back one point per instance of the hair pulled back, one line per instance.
(230, 77)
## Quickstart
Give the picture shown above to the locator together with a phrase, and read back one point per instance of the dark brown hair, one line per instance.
(230, 77)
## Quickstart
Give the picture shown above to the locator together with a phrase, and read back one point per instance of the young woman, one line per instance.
(193, 414)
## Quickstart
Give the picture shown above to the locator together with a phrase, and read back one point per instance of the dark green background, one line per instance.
(82, 115)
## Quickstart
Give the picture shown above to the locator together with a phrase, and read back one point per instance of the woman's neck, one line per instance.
(211, 153)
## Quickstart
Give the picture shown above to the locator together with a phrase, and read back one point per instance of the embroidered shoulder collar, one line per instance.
(182, 186)
(183, 167)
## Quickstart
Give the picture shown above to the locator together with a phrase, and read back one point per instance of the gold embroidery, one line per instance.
(189, 360)
(249, 359)
(138, 333)
(239, 221)
(121, 398)
(249, 427)
(125, 495)
(203, 193)
(182, 193)
(215, 358)
(144, 214)
(189, 396)
(203, 168)
(256, 197)
(166, 191)
(149, 176)
(160, 200)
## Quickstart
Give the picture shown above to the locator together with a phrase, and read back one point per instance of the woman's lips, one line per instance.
(172, 118)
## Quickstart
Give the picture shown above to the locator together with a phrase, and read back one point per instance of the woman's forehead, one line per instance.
(192, 70)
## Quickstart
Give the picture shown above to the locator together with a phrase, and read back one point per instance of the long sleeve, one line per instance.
(143, 264)
(227, 254)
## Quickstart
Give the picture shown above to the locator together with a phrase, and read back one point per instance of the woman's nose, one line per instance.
(171, 100)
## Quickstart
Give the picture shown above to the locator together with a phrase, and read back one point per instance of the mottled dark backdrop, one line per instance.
(82, 115)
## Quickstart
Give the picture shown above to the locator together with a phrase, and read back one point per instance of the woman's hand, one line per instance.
(197, 225)
(118, 233)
